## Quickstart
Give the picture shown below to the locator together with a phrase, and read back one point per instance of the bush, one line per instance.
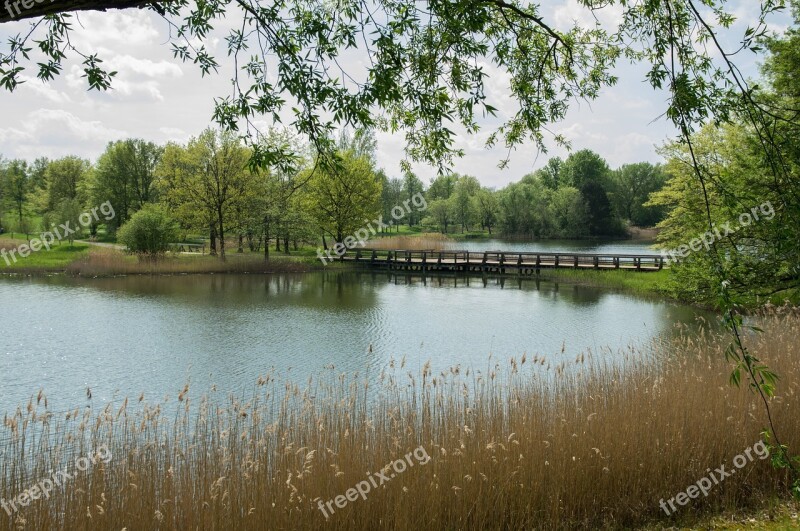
(149, 232)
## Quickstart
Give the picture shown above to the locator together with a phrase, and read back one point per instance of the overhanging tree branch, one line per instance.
(14, 10)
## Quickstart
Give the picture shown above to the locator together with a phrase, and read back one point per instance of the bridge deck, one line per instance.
(498, 261)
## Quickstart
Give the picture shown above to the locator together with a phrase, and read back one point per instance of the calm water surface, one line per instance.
(565, 246)
(128, 335)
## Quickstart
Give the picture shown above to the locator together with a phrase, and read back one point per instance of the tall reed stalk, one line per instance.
(537, 441)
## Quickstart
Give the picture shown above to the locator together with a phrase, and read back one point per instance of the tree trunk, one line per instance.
(266, 239)
(241, 243)
(213, 241)
(250, 242)
(221, 218)
(286, 244)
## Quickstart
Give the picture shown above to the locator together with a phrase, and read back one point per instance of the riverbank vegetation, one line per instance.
(212, 192)
(545, 440)
(748, 191)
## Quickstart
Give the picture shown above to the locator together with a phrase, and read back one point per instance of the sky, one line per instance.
(160, 99)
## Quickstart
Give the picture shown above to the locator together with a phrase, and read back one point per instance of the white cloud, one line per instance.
(43, 91)
(159, 98)
(56, 132)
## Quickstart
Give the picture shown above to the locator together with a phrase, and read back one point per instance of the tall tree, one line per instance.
(632, 185)
(66, 180)
(343, 197)
(207, 178)
(589, 172)
(391, 194)
(463, 201)
(551, 173)
(412, 186)
(17, 185)
(124, 175)
(442, 186)
(487, 207)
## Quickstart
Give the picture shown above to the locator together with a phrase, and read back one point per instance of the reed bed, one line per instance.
(7, 243)
(534, 442)
(108, 262)
(421, 242)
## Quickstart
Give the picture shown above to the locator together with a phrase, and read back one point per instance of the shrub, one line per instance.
(149, 232)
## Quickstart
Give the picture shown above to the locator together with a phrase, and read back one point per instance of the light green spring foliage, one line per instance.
(428, 63)
(344, 197)
(149, 231)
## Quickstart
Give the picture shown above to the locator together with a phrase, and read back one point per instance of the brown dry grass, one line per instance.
(109, 262)
(422, 242)
(8, 244)
(561, 444)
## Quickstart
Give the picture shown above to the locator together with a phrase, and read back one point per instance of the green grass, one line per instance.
(775, 515)
(56, 259)
(643, 283)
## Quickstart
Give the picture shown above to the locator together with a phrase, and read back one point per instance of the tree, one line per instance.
(584, 166)
(149, 232)
(69, 211)
(569, 213)
(206, 179)
(631, 187)
(17, 185)
(124, 175)
(487, 207)
(344, 197)
(463, 201)
(411, 187)
(391, 194)
(65, 180)
(441, 212)
(759, 255)
(523, 207)
(551, 173)
(442, 186)
(588, 172)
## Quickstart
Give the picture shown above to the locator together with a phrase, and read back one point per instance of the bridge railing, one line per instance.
(505, 258)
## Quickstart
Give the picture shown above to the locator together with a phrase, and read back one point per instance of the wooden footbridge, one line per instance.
(501, 262)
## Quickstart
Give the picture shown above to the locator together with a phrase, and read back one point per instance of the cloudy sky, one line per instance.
(159, 99)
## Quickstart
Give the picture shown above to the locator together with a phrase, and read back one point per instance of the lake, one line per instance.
(565, 246)
(130, 335)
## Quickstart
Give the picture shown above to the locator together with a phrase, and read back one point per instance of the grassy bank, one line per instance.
(106, 262)
(642, 283)
(83, 259)
(546, 441)
(56, 259)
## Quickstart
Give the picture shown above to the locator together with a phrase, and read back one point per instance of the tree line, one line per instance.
(209, 186)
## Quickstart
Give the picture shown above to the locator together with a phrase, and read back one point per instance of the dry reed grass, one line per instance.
(561, 443)
(8, 244)
(421, 242)
(109, 262)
